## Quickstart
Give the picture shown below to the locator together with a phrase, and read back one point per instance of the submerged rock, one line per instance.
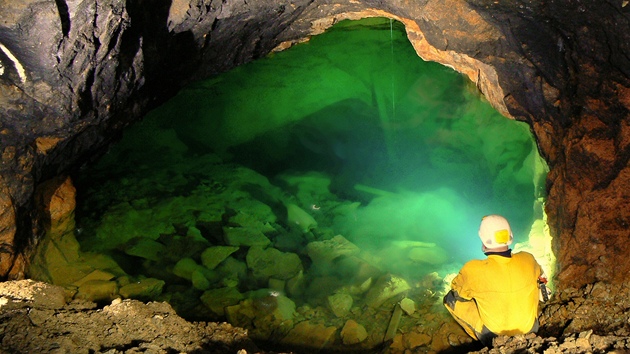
(385, 288)
(214, 255)
(233, 269)
(430, 255)
(311, 186)
(270, 262)
(149, 288)
(298, 218)
(318, 336)
(267, 314)
(146, 248)
(353, 333)
(241, 236)
(324, 252)
(185, 267)
(199, 280)
(98, 290)
(340, 304)
(408, 306)
(295, 285)
(414, 340)
(95, 275)
(254, 221)
(218, 299)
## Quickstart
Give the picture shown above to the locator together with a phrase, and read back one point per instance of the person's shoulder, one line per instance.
(523, 254)
(474, 263)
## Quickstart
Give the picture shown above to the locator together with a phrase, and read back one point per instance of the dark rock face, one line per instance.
(74, 73)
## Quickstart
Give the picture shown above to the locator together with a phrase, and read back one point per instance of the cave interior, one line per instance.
(294, 173)
(536, 125)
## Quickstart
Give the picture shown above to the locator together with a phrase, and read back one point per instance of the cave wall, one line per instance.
(74, 73)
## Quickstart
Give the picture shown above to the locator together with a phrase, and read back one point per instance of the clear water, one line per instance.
(351, 131)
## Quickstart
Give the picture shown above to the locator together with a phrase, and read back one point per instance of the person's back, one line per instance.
(505, 290)
(497, 295)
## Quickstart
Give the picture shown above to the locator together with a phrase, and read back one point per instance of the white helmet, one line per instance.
(495, 232)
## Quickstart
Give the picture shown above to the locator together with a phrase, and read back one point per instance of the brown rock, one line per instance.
(414, 339)
(271, 262)
(98, 291)
(324, 252)
(148, 288)
(7, 231)
(316, 335)
(353, 333)
(57, 200)
(340, 304)
(397, 345)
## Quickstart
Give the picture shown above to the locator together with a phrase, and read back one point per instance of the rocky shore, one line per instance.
(36, 317)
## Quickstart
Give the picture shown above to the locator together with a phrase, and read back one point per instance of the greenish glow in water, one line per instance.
(398, 155)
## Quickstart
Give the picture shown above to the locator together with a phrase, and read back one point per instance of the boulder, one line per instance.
(232, 271)
(431, 255)
(254, 222)
(146, 248)
(241, 236)
(254, 212)
(408, 306)
(277, 285)
(270, 262)
(185, 267)
(103, 262)
(318, 336)
(97, 290)
(355, 268)
(340, 304)
(214, 255)
(199, 280)
(57, 265)
(295, 286)
(322, 287)
(353, 333)
(299, 219)
(268, 314)
(385, 288)
(324, 252)
(149, 288)
(94, 275)
(414, 339)
(218, 299)
(310, 186)
(285, 308)
(195, 234)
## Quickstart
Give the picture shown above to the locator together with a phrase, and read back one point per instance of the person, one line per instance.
(498, 295)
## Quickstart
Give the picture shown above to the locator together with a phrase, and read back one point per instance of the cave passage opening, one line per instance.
(331, 180)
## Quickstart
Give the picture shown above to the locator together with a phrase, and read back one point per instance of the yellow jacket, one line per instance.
(505, 290)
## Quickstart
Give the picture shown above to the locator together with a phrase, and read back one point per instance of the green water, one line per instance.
(400, 156)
